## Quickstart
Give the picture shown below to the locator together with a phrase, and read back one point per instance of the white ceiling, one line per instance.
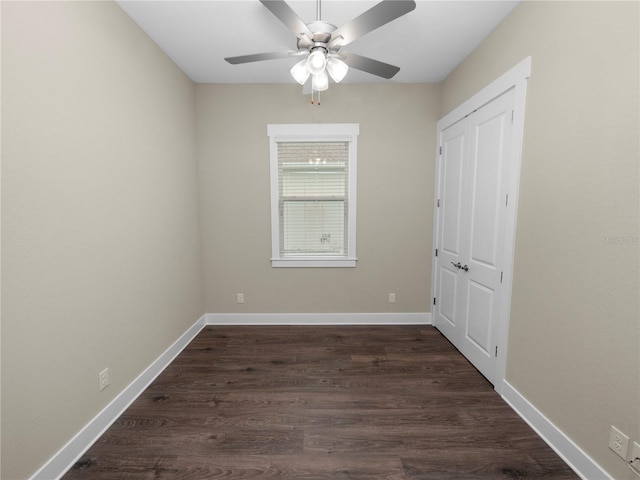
(427, 43)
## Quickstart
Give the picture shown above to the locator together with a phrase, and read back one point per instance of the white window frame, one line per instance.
(324, 132)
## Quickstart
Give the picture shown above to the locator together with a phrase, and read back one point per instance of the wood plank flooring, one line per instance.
(320, 402)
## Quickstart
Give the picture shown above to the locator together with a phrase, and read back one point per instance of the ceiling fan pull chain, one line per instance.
(312, 102)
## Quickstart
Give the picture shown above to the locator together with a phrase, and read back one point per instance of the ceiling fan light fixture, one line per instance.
(320, 43)
(337, 69)
(300, 72)
(320, 82)
(317, 61)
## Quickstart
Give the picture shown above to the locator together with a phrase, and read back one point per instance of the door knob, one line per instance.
(460, 267)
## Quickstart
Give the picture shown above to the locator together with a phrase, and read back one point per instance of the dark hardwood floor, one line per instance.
(320, 402)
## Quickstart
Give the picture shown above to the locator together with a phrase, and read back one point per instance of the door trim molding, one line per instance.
(516, 78)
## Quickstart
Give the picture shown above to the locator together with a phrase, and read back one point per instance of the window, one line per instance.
(313, 195)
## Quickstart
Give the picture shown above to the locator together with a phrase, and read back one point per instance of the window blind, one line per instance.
(313, 195)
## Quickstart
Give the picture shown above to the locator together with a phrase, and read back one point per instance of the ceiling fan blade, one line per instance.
(381, 14)
(369, 65)
(259, 57)
(286, 15)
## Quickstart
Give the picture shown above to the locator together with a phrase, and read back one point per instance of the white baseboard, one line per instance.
(581, 463)
(68, 455)
(318, 318)
(61, 462)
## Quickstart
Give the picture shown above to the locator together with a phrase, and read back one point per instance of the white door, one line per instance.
(473, 178)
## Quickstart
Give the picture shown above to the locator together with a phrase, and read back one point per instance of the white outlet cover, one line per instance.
(619, 442)
(103, 377)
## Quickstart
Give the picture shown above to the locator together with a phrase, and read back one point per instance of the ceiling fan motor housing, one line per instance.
(321, 36)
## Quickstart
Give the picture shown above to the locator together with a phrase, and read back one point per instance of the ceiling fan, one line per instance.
(320, 43)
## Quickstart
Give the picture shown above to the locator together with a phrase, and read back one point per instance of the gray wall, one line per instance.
(574, 332)
(100, 240)
(395, 198)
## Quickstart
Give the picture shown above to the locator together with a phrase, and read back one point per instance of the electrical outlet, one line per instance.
(618, 442)
(103, 377)
(392, 298)
(240, 298)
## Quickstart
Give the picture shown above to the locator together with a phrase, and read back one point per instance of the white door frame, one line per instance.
(515, 79)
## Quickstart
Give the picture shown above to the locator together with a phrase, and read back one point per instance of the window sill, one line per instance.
(313, 262)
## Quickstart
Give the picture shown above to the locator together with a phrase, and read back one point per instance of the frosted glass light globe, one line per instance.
(337, 69)
(300, 72)
(316, 62)
(320, 82)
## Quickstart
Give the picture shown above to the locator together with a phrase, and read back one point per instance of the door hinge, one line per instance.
(501, 274)
(438, 203)
(434, 300)
(440, 150)
(496, 350)
(436, 252)
(512, 113)
(506, 201)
